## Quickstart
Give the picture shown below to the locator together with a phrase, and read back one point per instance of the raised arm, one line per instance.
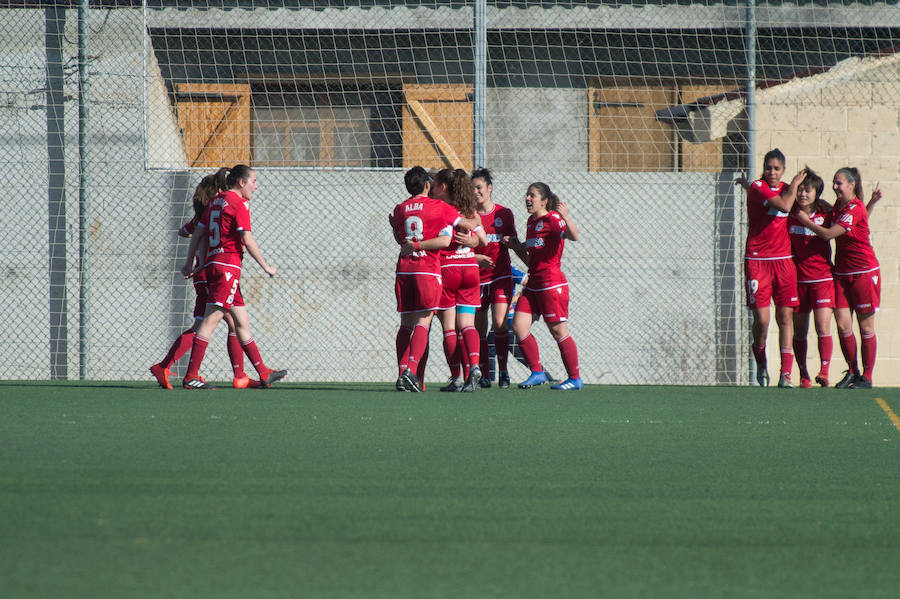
(571, 227)
(785, 201)
(876, 196)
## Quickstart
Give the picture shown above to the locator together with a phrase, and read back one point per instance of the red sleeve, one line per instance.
(242, 216)
(188, 227)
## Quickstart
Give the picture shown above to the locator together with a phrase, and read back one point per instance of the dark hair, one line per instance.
(460, 190)
(851, 173)
(206, 190)
(544, 190)
(236, 173)
(483, 173)
(776, 153)
(415, 180)
(813, 181)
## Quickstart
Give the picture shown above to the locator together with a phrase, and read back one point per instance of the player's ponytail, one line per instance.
(206, 190)
(459, 190)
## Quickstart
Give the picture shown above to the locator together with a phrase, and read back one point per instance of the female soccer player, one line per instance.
(423, 226)
(208, 188)
(460, 296)
(222, 234)
(815, 280)
(857, 274)
(495, 271)
(768, 267)
(546, 294)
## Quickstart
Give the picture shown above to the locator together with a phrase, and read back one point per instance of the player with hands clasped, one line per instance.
(422, 226)
(768, 268)
(547, 292)
(857, 273)
(815, 279)
(221, 236)
(495, 269)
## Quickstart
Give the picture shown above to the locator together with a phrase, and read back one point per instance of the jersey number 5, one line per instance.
(214, 234)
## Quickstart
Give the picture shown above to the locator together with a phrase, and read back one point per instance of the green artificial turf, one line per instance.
(125, 490)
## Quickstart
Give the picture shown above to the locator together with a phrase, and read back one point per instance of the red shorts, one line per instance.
(819, 294)
(771, 279)
(201, 299)
(552, 304)
(496, 292)
(462, 287)
(860, 292)
(417, 292)
(223, 286)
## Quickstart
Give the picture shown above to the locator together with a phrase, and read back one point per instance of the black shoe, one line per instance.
(455, 385)
(401, 384)
(484, 382)
(847, 380)
(197, 382)
(503, 380)
(412, 382)
(273, 376)
(861, 382)
(473, 380)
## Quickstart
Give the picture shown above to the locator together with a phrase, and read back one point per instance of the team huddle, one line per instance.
(454, 261)
(788, 261)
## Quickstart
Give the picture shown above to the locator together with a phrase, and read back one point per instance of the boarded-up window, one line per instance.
(623, 132)
(706, 157)
(438, 129)
(215, 122)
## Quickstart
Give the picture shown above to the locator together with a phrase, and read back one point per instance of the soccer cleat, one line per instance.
(245, 382)
(503, 380)
(847, 380)
(272, 376)
(484, 382)
(401, 384)
(196, 382)
(762, 377)
(822, 379)
(569, 384)
(536, 378)
(410, 381)
(861, 382)
(472, 382)
(162, 375)
(454, 385)
(784, 382)
(805, 383)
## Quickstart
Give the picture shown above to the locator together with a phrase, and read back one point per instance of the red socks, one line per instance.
(404, 335)
(198, 350)
(253, 353)
(501, 348)
(869, 349)
(787, 361)
(800, 349)
(450, 343)
(826, 349)
(569, 353)
(848, 348)
(417, 345)
(530, 352)
(236, 356)
(178, 349)
(472, 345)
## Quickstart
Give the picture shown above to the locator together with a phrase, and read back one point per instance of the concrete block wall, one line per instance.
(852, 121)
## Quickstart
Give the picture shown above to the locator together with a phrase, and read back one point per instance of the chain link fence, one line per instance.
(634, 113)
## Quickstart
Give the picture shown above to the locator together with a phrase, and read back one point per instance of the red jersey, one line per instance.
(421, 218)
(497, 224)
(853, 250)
(458, 255)
(545, 241)
(812, 254)
(188, 230)
(767, 233)
(226, 216)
